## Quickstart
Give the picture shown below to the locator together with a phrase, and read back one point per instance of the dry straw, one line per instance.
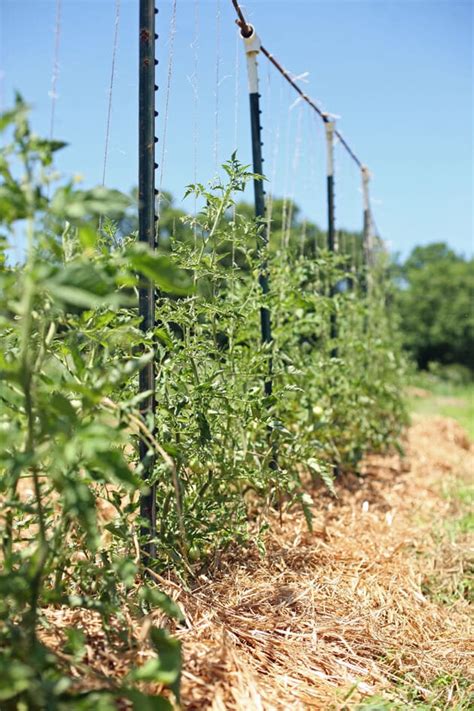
(328, 618)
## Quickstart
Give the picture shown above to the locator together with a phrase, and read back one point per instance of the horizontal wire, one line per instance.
(295, 86)
(247, 30)
(348, 149)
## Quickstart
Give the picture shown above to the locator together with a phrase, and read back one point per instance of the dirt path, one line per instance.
(372, 605)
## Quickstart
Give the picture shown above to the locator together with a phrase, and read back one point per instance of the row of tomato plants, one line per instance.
(220, 450)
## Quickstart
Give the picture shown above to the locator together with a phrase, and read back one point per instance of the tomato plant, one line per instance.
(70, 423)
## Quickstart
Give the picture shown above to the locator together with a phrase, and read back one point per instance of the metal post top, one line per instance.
(252, 42)
(330, 126)
(365, 173)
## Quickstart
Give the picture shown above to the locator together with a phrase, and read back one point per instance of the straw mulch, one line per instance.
(373, 602)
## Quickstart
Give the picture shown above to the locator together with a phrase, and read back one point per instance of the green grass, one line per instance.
(446, 399)
(445, 693)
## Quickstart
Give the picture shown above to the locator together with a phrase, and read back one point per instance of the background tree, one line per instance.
(434, 300)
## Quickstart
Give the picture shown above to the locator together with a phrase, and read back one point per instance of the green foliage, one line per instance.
(212, 416)
(435, 304)
(221, 450)
(71, 352)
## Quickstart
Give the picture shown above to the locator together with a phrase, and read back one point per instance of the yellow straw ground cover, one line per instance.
(372, 609)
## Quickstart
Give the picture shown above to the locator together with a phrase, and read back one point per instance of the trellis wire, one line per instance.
(246, 30)
(172, 35)
(53, 92)
(294, 167)
(195, 88)
(111, 88)
(55, 76)
(217, 84)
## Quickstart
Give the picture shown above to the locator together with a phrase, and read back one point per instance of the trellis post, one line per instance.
(147, 235)
(252, 48)
(367, 237)
(332, 245)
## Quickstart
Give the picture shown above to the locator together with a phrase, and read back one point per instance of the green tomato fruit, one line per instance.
(194, 553)
(196, 466)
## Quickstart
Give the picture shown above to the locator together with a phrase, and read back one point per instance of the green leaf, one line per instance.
(75, 642)
(13, 203)
(324, 472)
(14, 115)
(152, 671)
(73, 296)
(145, 702)
(306, 503)
(80, 284)
(15, 677)
(87, 236)
(160, 269)
(85, 285)
(169, 651)
(86, 276)
(79, 501)
(100, 700)
(162, 335)
(74, 205)
(112, 462)
(158, 599)
(62, 405)
(204, 429)
(166, 669)
(126, 570)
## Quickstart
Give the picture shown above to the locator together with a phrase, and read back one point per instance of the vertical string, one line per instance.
(233, 325)
(2, 61)
(312, 176)
(172, 36)
(294, 167)
(275, 142)
(111, 88)
(216, 139)
(303, 237)
(355, 259)
(289, 115)
(236, 120)
(268, 132)
(237, 89)
(53, 93)
(216, 91)
(195, 87)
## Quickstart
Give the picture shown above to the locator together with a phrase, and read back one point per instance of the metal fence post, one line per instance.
(332, 244)
(146, 234)
(367, 233)
(252, 48)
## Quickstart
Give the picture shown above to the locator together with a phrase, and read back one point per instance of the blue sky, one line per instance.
(399, 75)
